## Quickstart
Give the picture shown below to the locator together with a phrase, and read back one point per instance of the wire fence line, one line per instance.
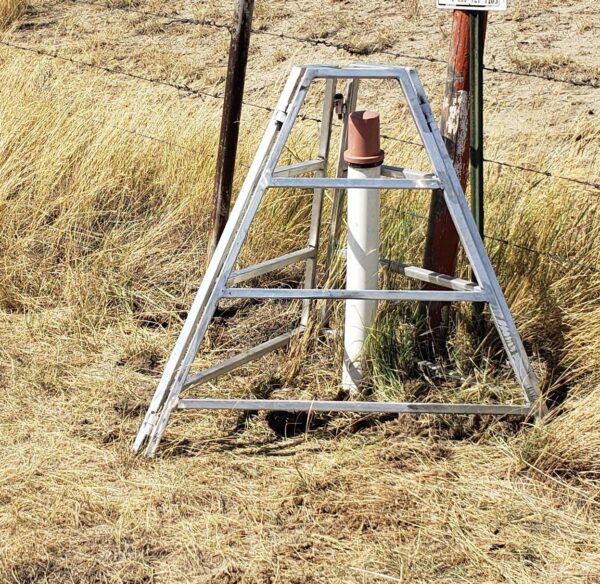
(576, 82)
(347, 47)
(507, 242)
(186, 89)
(205, 94)
(179, 86)
(593, 185)
(552, 256)
(150, 137)
(546, 173)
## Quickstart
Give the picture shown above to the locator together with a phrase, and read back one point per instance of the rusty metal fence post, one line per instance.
(477, 21)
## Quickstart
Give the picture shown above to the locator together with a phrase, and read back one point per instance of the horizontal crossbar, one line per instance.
(352, 406)
(271, 265)
(355, 183)
(318, 293)
(299, 168)
(375, 72)
(242, 358)
(399, 172)
(425, 275)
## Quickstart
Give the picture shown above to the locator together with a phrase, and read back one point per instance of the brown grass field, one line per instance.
(105, 195)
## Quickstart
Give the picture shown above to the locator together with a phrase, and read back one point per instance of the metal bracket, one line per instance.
(339, 105)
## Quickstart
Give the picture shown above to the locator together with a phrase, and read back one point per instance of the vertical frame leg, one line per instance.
(317, 203)
(198, 335)
(199, 304)
(337, 208)
(502, 317)
(250, 212)
(470, 238)
(221, 264)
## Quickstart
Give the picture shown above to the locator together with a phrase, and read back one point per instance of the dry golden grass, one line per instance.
(549, 63)
(103, 236)
(10, 10)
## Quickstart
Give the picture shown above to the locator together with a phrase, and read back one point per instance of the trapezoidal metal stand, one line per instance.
(220, 278)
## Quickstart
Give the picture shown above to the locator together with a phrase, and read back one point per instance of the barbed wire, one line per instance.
(150, 137)
(55, 55)
(593, 185)
(576, 82)
(202, 93)
(178, 86)
(552, 256)
(546, 173)
(347, 47)
(186, 88)
(507, 242)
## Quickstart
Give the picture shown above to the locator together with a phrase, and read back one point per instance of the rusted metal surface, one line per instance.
(230, 123)
(441, 244)
(477, 40)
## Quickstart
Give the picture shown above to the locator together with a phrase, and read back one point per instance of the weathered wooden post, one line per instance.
(441, 244)
(230, 122)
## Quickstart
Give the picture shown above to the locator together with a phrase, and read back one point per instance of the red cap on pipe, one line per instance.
(364, 139)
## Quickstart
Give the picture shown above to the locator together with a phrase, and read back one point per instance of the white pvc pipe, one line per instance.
(362, 273)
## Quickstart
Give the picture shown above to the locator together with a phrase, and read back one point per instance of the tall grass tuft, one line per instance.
(11, 10)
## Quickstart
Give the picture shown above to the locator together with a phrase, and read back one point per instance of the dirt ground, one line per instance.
(91, 307)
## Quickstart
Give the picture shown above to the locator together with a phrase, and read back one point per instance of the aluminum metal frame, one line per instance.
(265, 174)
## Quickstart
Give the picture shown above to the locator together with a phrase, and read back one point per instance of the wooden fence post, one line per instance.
(230, 122)
(441, 244)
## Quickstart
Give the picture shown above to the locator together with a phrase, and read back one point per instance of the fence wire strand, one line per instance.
(201, 93)
(347, 47)
(507, 242)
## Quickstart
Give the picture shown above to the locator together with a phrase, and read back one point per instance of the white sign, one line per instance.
(496, 5)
